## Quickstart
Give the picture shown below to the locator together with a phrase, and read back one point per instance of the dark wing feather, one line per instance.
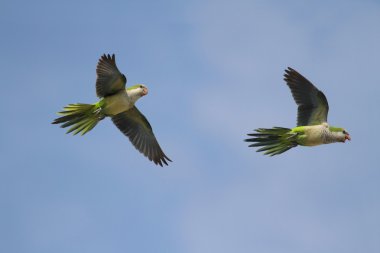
(109, 79)
(137, 128)
(312, 103)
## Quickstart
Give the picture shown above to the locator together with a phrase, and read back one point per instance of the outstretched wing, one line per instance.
(312, 103)
(137, 128)
(109, 79)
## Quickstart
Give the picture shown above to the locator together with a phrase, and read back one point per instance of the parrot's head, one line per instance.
(346, 135)
(138, 90)
(341, 134)
(142, 89)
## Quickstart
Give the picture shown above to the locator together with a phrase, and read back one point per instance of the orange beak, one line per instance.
(145, 91)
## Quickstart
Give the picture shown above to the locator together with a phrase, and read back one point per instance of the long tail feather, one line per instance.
(80, 117)
(273, 141)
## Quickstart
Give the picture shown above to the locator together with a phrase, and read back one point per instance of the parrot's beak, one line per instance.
(347, 137)
(145, 91)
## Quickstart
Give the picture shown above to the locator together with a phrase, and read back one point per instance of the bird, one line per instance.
(117, 102)
(312, 128)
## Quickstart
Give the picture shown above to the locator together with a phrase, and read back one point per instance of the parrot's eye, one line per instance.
(141, 86)
(344, 131)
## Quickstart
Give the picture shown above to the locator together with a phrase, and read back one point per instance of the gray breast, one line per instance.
(328, 136)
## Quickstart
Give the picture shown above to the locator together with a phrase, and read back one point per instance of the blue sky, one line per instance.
(214, 71)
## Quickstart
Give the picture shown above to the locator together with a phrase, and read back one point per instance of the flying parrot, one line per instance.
(118, 103)
(312, 127)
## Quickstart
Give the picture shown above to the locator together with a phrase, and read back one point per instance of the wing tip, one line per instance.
(289, 74)
(107, 58)
(163, 159)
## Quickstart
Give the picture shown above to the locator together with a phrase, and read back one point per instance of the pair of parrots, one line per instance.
(118, 102)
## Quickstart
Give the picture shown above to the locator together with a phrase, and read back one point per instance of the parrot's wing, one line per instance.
(109, 79)
(137, 128)
(312, 103)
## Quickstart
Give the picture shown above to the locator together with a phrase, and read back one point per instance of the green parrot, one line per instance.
(312, 127)
(118, 102)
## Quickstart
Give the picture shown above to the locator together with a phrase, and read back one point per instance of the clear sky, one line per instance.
(214, 69)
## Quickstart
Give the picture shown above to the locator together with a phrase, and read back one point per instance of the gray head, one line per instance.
(340, 134)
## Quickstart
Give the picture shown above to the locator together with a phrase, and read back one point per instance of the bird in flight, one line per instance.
(118, 103)
(312, 127)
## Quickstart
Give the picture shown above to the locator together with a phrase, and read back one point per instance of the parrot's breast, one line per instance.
(117, 103)
(314, 135)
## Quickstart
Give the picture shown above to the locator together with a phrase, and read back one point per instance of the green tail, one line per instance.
(273, 141)
(81, 117)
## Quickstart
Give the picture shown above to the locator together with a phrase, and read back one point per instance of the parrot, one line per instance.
(312, 128)
(117, 102)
